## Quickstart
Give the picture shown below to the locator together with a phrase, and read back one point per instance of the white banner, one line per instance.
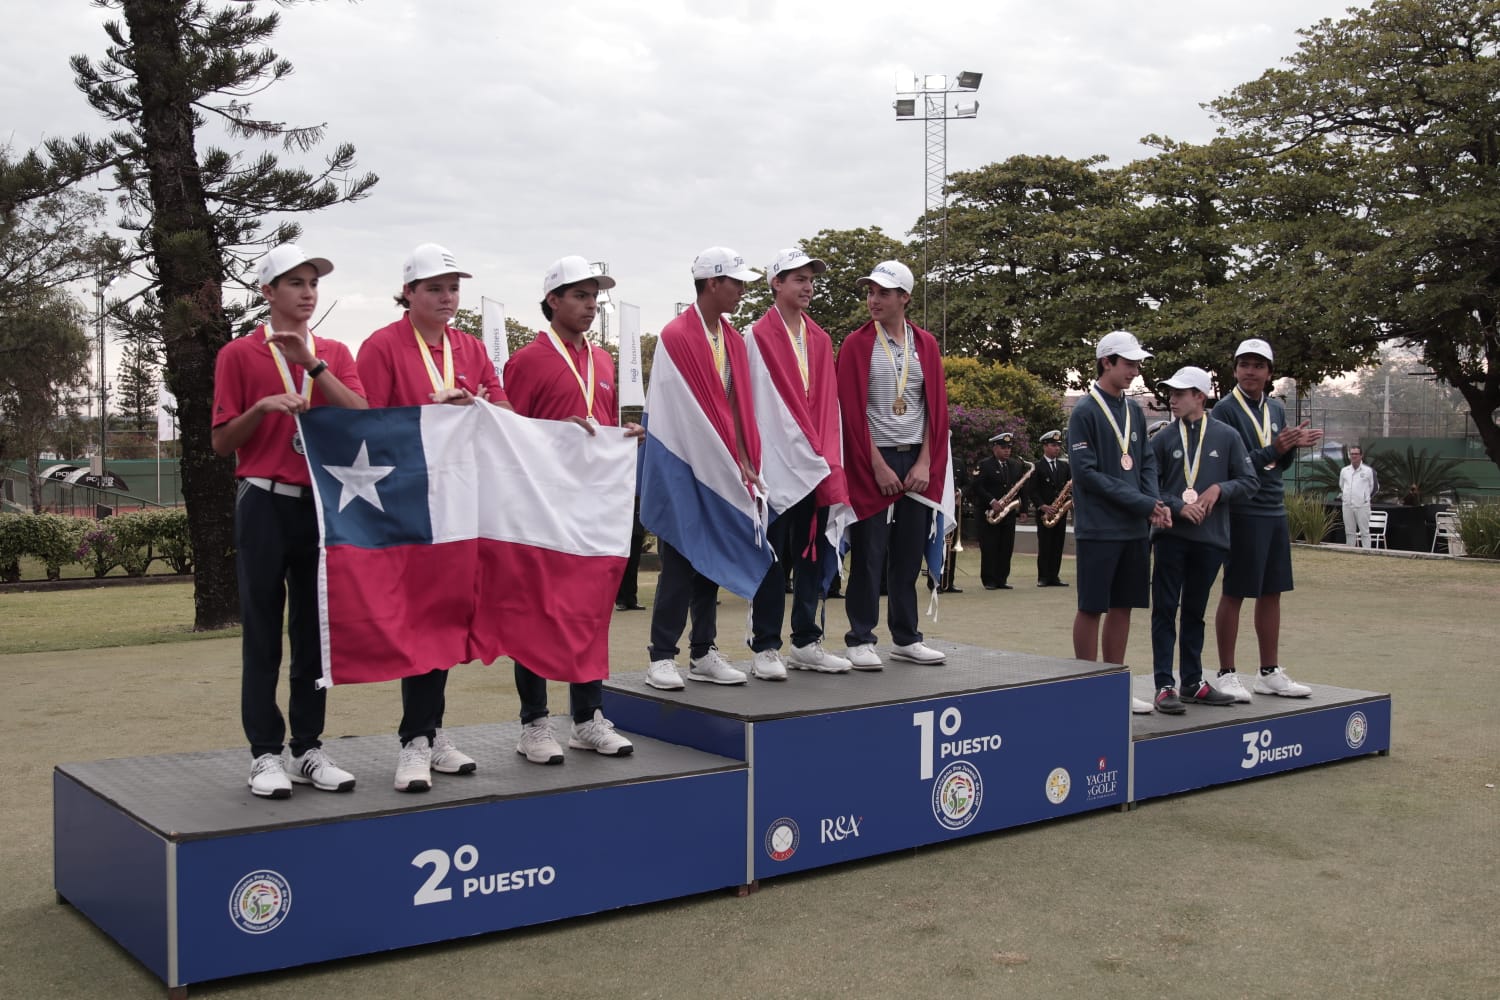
(166, 413)
(492, 319)
(631, 375)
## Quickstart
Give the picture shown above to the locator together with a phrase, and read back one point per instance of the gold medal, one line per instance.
(899, 407)
(1127, 463)
(1189, 495)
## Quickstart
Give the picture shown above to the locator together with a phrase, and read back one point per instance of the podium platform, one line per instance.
(1213, 745)
(198, 879)
(846, 766)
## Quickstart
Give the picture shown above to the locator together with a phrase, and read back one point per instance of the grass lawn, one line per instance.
(45, 621)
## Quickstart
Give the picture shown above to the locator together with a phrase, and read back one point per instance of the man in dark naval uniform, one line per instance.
(997, 476)
(1046, 484)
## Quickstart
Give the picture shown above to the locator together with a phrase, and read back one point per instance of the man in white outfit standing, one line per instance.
(1357, 484)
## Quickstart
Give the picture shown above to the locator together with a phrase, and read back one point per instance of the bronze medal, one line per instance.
(1127, 463)
(1189, 495)
(899, 407)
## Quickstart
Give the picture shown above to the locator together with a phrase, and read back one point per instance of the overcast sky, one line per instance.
(639, 133)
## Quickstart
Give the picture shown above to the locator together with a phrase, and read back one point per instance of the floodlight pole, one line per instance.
(601, 268)
(100, 286)
(933, 92)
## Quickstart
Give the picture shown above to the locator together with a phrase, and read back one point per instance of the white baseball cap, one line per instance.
(284, 258)
(722, 262)
(1123, 343)
(1190, 378)
(1254, 346)
(570, 271)
(428, 261)
(890, 274)
(790, 260)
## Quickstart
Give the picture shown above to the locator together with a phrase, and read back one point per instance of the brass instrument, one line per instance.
(1011, 500)
(958, 525)
(1060, 506)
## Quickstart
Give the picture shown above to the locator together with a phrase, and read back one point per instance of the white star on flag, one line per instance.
(359, 479)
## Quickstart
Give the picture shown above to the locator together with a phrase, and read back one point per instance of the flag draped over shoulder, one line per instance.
(692, 494)
(800, 440)
(454, 533)
(943, 522)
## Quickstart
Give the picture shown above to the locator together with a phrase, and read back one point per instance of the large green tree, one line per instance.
(1036, 271)
(46, 351)
(175, 75)
(1397, 107)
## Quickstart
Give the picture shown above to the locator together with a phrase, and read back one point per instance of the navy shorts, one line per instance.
(1260, 556)
(1113, 574)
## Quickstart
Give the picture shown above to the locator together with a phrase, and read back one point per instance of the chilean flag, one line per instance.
(456, 533)
(692, 493)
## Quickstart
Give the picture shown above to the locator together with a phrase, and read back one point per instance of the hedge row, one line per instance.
(132, 541)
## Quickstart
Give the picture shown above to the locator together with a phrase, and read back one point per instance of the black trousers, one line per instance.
(532, 690)
(996, 544)
(789, 535)
(1049, 550)
(629, 585)
(904, 540)
(276, 563)
(682, 591)
(423, 699)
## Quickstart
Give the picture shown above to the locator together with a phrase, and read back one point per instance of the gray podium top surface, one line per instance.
(1264, 708)
(190, 796)
(968, 669)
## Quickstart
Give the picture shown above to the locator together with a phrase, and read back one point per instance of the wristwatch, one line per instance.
(317, 369)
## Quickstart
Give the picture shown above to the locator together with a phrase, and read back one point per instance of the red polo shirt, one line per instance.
(246, 373)
(541, 385)
(395, 374)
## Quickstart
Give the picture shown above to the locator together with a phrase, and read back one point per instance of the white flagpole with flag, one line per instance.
(631, 375)
(492, 319)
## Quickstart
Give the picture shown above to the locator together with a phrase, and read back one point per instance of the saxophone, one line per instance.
(1011, 500)
(1060, 506)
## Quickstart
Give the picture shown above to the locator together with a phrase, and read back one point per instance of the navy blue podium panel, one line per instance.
(1212, 745)
(198, 879)
(846, 766)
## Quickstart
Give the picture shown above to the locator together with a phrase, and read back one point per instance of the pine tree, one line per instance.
(173, 71)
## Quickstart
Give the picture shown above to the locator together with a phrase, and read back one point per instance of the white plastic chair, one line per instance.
(1377, 528)
(1447, 531)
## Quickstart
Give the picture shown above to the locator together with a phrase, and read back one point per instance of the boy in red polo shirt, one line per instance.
(261, 382)
(561, 376)
(417, 360)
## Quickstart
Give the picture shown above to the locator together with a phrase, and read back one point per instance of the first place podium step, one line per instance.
(846, 766)
(198, 879)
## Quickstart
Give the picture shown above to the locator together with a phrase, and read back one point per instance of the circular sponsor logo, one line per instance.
(1355, 730)
(956, 795)
(782, 838)
(260, 902)
(1059, 783)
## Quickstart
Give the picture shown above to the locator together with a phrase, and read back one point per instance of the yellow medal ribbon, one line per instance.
(1190, 464)
(799, 345)
(286, 372)
(439, 382)
(885, 341)
(1262, 424)
(587, 390)
(1122, 437)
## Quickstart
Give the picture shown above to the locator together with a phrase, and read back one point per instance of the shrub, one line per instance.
(100, 550)
(173, 540)
(1307, 518)
(1479, 527)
